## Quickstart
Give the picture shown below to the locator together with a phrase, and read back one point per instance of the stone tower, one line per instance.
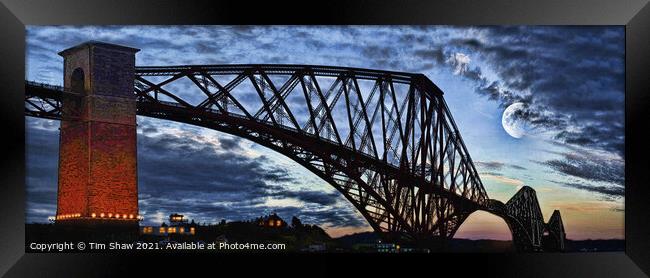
(97, 151)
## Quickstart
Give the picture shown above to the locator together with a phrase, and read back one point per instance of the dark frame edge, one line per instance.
(12, 51)
(457, 12)
(637, 193)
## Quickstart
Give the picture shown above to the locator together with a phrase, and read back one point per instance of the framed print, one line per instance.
(356, 132)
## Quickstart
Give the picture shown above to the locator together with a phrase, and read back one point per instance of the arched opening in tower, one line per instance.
(77, 81)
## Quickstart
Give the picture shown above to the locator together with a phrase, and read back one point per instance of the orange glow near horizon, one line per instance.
(484, 225)
(582, 219)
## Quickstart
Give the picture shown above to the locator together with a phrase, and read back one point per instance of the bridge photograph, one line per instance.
(387, 139)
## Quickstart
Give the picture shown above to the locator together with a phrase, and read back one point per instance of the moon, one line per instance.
(512, 124)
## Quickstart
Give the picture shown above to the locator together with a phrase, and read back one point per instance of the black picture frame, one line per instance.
(634, 14)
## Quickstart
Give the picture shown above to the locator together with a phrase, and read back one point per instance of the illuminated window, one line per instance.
(192, 230)
(162, 230)
(182, 230)
(278, 223)
(271, 223)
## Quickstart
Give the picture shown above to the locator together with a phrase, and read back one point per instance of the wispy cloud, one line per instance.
(589, 165)
(583, 206)
(504, 180)
(610, 191)
(496, 165)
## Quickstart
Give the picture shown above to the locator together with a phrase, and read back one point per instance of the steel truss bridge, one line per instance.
(385, 140)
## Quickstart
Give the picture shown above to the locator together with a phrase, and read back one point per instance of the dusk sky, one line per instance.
(565, 137)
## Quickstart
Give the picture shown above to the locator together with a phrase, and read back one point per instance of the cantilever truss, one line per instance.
(523, 208)
(525, 221)
(555, 235)
(385, 140)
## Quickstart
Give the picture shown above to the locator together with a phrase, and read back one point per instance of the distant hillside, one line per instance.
(498, 246)
(599, 245)
(481, 245)
(455, 245)
(365, 237)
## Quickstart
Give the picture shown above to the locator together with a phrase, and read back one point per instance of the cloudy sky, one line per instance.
(566, 140)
